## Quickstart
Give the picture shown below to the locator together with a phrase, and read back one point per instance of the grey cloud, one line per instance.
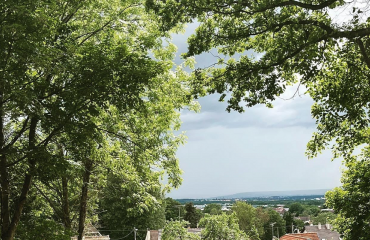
(286, 113)
(295, 112)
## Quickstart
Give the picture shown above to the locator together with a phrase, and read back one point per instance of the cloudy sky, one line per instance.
(259, 150)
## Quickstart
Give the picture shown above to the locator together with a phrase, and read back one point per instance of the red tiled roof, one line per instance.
(300, 236)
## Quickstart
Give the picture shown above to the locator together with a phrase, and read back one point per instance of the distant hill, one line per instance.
(276, 193)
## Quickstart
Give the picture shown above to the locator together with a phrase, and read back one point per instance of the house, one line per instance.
(156, 234)
(91, 233)
(327, 210)
(200, 207)
(300, 236)
(305, 219)
(281, 210)
(153, 235)
(323, 231)
(225, 207)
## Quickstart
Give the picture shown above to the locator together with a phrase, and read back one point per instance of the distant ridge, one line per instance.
(276, 193)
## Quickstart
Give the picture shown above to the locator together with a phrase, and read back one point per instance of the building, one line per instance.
(281, 210)
(300, 236)
(305, 219)
(323, 231)
(91, 233)
(327, 210)
(200, 207)
(157, 234)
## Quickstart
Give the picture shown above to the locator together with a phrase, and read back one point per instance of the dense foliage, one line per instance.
(296, 209)
(213, 209)
(124, 207)
(174, 210)
(86, 90)
(177, 230)
(192, 215)
(351, 201)
(249, 217)
(221, 227)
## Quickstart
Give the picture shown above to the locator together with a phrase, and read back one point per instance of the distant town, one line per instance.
(271, 201)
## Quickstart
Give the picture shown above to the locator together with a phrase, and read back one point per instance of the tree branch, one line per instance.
(91, 34)
(52, 205)
(18, 135)
(293, 3)
(69, 17)
(363, 52)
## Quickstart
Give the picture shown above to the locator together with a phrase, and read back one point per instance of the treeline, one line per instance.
(261, 201)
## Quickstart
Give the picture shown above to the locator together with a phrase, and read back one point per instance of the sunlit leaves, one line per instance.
(351, 201)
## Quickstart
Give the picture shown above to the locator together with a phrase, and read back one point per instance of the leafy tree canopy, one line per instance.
(124, 206)
(323, 218)
(213, 209)
(93, 79)
(311, 211)
(174, 209)
(296, 209)
(276, 225)
(192, 215)
(273, 44)
(247, 217)
(351, 201)
(177, 230)
(221, 227)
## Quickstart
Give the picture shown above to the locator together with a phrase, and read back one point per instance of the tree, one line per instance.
(176, 230)
(289, 221)
(276, 226)
(221, 227)
(262, 218)
(39, 220)
(296, 209)
(174, 209)
(248, 218)
(68, 66)
(351, 201)
(311, 211)
(292, 224)
(213, 209)
(192, 215)
(283, 33)
(323, 218)
(299, 225)
(122, 206)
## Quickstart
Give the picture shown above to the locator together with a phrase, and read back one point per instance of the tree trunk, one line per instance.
(4, 180)
(9, 232)
(65, 194)
(5, 216)
(65, 204)
(83, 201)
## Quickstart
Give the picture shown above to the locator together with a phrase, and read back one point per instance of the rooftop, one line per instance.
(300, 236)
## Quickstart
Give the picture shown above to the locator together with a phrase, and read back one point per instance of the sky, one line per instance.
(261, 149)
